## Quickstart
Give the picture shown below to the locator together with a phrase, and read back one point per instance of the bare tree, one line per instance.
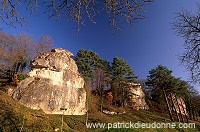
(16, 51)
(118, 11)
(187, 25)
(45, 43)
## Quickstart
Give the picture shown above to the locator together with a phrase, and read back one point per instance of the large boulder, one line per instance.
(54, 85)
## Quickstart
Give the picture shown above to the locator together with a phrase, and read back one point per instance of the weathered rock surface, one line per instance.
(177, 104)
(137, 97)
(54, 84)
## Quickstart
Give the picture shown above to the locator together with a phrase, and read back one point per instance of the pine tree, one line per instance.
(95, 71)
(162, 83)
(123, 75)
(92, 66)
(122, 70)
(159, 80)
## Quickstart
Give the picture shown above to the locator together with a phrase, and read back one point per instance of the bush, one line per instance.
(22, 77)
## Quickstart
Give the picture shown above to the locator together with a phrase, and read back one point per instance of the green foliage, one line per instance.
(14, 117)
(180, 87)
(85, 60)
(22, 76)
(161, 78)
(120, 90)
(123, 74)
(88, 61)
(94, 68)
(121, 69)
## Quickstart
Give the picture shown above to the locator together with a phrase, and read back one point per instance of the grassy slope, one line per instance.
(14, 117)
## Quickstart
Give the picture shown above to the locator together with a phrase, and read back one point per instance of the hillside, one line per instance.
(15, 117)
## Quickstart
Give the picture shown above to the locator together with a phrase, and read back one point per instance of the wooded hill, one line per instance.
(100, 77)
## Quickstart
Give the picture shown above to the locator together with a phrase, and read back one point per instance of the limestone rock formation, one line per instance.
(177, 104)
(137, 97)
(54, 84)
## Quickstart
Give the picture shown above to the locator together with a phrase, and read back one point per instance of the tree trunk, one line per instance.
(87, 101)
(101, 101)
(189, 108)
(101, 105)
(193, 113)
(197, 115)
(168, 107)
(86, 120)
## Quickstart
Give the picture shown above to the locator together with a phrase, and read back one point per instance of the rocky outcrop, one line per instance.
(177, 104)
(137, 97)
(54, 85)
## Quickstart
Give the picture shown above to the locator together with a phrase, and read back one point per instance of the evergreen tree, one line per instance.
(158, 79)
(92, 66)
(123, 75)
(95, 70)
(163, 84)
(122, 70)
(85, 61)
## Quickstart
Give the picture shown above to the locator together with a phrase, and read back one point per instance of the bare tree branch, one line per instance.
(187, 25)
(119, 11)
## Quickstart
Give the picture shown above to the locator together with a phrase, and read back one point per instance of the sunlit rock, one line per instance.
(137, 97)
(54, 85)
(177, 104)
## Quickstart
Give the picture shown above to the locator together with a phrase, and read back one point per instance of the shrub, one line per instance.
(22, 77)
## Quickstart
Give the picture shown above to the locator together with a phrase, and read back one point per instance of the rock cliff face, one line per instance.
(54, 84)
(137, 97)
(177, 104)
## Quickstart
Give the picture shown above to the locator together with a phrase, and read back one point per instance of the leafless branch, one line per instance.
(119, 11)
(187, 25)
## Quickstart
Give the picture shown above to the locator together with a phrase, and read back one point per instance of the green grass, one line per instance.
(15, 117)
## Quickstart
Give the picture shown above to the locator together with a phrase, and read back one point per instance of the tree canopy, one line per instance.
(102, 75)
(161, 78)
(123, 75)
(89, 61)
(94, 69)
(121, 69)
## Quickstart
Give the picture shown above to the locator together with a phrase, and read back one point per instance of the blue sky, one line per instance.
(144, 45)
